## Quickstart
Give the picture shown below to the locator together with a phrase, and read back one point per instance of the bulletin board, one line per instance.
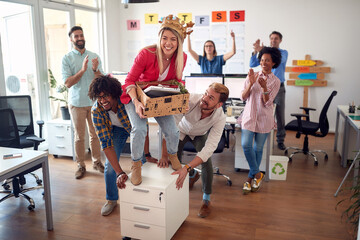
(215, 26)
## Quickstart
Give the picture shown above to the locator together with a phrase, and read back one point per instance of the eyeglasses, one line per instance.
(104, 96)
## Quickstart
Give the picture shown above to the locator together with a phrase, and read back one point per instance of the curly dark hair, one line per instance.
(105, 84)
(274, 53)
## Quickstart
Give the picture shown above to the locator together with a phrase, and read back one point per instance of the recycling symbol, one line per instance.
(277, 167)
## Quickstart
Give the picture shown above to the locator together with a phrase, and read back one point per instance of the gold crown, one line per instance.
(179, 26)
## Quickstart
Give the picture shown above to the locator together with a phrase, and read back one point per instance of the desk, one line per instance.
(29, 159)
(342, 110)
(240, 159)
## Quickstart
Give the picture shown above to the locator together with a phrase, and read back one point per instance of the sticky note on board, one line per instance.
(219, 16)
(133, 24)
(151, 18)
(237, 16)
(201, 21)
(186, 17)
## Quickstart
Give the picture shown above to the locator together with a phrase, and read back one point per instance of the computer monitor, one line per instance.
(120, 76)
(235, 83)
(199, 83)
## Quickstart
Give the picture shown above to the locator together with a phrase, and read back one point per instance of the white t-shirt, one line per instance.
(114, 119)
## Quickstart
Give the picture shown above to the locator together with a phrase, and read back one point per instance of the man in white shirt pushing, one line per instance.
(202, 125)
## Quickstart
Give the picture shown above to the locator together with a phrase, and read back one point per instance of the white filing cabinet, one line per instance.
(60, 137)
(155, 209)
(240, 160)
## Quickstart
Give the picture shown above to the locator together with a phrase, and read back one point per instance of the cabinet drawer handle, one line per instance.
(59, 136)
(59, 146)
(141, 226)
(140, 190)
(141, 208)
(59, 126)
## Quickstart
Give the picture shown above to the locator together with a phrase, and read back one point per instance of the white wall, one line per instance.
(328, 30)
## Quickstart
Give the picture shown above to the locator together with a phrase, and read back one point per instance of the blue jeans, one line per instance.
(139, 130)
(252, 153)
(120, 136)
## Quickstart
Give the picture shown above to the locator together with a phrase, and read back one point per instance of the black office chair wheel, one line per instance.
(326, 157)
(316, 163)
(290, 159)
(237, 169)
(31, 207)
(229, 183)
(39, 182)
(55, 156)
(6, 186)
(285, 152)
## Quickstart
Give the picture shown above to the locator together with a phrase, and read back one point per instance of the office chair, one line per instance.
(10, 137)
(307, 127)
(21, 106)
(223, 143)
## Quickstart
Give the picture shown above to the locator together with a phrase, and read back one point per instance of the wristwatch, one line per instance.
(188, 167)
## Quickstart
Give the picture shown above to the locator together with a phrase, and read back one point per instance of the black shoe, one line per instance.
(281, 146)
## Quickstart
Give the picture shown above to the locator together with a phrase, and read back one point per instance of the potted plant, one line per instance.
(62, 96)
(352, 211)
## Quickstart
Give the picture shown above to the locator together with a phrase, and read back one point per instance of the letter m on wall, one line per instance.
(133, 24)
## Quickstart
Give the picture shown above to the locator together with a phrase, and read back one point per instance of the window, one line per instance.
(17, 45)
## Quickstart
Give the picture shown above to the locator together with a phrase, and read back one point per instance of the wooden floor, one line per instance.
(302, 207)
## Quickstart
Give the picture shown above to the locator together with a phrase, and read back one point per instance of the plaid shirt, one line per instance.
(103, 126)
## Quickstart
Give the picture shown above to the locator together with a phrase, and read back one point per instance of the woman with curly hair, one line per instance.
(257, 119)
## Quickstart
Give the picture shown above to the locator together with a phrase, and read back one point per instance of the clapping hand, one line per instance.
(252, 76)
(262, 81)
(257, 47)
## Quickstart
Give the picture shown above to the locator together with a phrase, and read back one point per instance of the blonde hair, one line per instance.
(179, 62)
(222, 89)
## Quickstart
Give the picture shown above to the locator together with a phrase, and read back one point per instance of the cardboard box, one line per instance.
(278, 167)
(162, 106)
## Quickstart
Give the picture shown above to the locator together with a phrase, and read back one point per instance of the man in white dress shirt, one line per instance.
(202, 125)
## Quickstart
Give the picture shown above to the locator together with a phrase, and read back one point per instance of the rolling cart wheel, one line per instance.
(55, 156)
(229, 183)
(31, 207)
(326, 157)
(316, 163)
(39, 182)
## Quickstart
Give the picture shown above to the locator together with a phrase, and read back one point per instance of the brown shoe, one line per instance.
(193, 180)
(80, 173)
(175, 163)
(205, 209)
(136, 173)
(98, 166)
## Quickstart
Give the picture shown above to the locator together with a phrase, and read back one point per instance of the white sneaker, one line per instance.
(257, 183)
(246, 188)
(108, 207)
